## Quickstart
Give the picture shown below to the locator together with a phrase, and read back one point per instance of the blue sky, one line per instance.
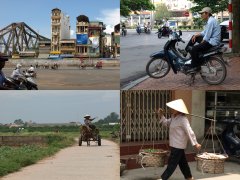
(57, 106)
(37, 13)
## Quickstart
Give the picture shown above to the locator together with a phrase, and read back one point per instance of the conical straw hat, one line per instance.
(178, 105)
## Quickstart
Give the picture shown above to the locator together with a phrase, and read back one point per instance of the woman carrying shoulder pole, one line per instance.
(180, 132)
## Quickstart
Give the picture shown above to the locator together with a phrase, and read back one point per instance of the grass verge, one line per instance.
(14, 158)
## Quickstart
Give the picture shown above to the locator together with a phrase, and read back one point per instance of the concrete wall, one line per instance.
(21, 140)
(198, 108)
(195, 102)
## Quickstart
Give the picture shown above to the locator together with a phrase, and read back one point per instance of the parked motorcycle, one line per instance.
(229, 139)
(212, 70)
(164, 31)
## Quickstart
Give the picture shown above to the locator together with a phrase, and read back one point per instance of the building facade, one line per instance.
(60, 29)
(89, 37)
(139, 121)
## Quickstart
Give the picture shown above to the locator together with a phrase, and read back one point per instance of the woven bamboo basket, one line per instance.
(152, 159)
(210, 165)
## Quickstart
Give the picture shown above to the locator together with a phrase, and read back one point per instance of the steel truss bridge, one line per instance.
(18, 37)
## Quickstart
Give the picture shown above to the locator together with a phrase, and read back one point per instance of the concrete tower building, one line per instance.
(60, 28)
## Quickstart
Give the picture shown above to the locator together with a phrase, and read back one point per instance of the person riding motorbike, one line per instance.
(31, 69)
(17, 72)
(2, 76)
(208, 38)
(138, 28)
(88, 122)
(124, 31)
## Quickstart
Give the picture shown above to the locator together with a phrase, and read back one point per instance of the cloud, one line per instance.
(109, 29)
(72, 33)
(110, 17)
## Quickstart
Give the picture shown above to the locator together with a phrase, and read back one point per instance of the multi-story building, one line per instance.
(68, 47)
(60, 29)
(89, 37)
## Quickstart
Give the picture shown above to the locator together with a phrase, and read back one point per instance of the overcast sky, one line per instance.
(57, 106)
(37, 13)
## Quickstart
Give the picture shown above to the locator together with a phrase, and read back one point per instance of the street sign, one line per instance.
(186, 14)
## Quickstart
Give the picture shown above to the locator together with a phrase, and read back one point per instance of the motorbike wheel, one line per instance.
(157, 68)
(159, 35)
(217, 71)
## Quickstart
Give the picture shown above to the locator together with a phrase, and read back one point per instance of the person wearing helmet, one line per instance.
(88, 122)
(17, 72)
(180, 132)
(2, 76)
(31, 69)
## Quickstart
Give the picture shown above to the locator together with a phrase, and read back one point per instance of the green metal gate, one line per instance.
(138, 118)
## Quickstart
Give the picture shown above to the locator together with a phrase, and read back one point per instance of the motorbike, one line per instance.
(138, 29)
(31, 73)
(23, 82)
(99, 65)
(229, 139)
(147, 30)
(212, 68)
(124, 31)
(164, 31)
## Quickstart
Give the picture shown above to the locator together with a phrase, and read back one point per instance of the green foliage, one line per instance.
(126, 6)
(215, 5)
(162, 12)
(13, 158)
(112, 118)
(198, 22)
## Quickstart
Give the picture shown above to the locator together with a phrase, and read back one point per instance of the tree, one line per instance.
(19, 122)
(162, 12)
(198, 22)
(113, 117)
(126, 6)
(236, 27)
(215, 5)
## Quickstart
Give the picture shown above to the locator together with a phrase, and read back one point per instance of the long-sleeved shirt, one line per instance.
(88, 121)
(212, 32)
(16, 73)
(179, 131)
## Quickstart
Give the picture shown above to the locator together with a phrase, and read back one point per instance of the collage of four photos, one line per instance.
(119, 90)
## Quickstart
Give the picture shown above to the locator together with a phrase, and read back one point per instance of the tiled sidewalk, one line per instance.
(180, 81)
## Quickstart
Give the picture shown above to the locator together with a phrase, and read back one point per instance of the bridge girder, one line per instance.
(18, 37)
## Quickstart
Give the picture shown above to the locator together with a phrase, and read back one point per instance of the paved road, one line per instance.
(135, 51)
(72, 78)
(231, 172)
(74, 163)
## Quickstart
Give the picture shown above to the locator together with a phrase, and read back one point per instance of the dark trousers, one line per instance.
(177, 157)
(195, 50)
